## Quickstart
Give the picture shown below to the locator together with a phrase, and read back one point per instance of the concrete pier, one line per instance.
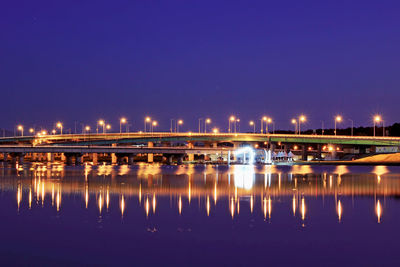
(150, 156)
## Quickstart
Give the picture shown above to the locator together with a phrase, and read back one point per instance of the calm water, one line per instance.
(200, 215)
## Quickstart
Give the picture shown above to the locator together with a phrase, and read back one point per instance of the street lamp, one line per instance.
(207, 121)
(153, 124)
(302, 118)
(21, 129)
(59, 125)
(215, 130)
(121, 121)
(377, 119)
(294, 121)
(269, 120)
(32, 131)
(180, 122)
(146, 120)
(232, 119)
(251, 123)
(53, 131)
(265, 118)
(108, 126)
(87, 129)
(337, 119)
(101, 123)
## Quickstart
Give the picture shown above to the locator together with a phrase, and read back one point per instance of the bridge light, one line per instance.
(147, 119)
(108, 127)
(303, 118)
(155, 123)
(20, 127)
(53, 131)
(180, 122)
(338, 118)
(123, 120)
(377, 118)
(101, 122)
(251, 123)
(215, 131)
(232, 118)
(294, 121)
(208, 120)
(87, 128)
(31, 130)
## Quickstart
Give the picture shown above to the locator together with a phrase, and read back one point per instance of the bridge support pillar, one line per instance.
(190, 157)
(95, 158)
(304, 152)
(50, 157)
(5, 157)
(150, 156)
(319, 151)
(114, 157)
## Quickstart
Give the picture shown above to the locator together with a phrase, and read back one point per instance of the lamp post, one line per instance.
(146, 120)
(302, 118)
(21, 129)
(337, 119)
(232, 119)
(101, 123)
(121, 121)
(251, 123)
(60, 126)
(108, 127)
(377, 119)
(269, 120)
(180, 122)
(206, 121)
(153, 124)
(262, 125)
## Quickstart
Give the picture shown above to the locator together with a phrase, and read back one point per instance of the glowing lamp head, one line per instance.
(294, 121)
(147, 119)
(20, 127)
(108, 126)
(31, 130)
(101, 122)
(53, 131)
(59, 125)
(215, 130)
(269, 120)
(87, 128)
(232, 118)
(155, 123)
(264, 118)
(377, 118)
(44, 132)
(302, 118)
(123, 120)
(180, 122)
(208, 120)
(251, 123)
(338, 118)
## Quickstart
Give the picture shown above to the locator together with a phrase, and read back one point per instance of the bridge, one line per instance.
(179, 145)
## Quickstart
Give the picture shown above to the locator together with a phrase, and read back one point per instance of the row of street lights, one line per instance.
(232, 126)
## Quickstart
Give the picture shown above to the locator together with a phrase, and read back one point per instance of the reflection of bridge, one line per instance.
(149, 184)
(305, 145)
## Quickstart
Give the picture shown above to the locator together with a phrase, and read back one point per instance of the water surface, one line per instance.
(200, 215)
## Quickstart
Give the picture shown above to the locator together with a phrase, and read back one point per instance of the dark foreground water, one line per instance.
(199, 215)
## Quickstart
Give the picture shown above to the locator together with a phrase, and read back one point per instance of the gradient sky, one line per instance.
(85, 60)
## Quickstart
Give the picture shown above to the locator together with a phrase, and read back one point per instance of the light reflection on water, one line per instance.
(251, 207)
(237, 185)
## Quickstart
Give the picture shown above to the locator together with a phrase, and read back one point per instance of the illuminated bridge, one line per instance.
(181, 145)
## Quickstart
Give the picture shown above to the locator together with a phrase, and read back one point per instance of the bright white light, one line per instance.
(246, 151)
(244, 176)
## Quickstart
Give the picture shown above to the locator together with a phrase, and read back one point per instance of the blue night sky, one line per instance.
(85, 60)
